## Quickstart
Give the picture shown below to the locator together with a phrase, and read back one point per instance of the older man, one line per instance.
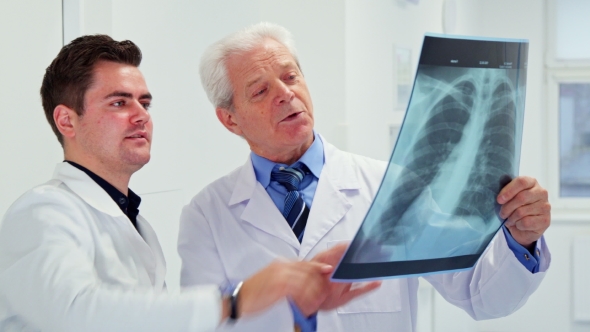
(257, 213)
(76, 255)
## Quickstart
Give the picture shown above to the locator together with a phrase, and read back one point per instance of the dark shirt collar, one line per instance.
(129, 205)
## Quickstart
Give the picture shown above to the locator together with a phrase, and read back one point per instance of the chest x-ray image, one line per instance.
(459, 144)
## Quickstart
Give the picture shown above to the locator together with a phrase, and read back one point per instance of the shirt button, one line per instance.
(282, 168)
(538, 252)
(122, 200)
(526, 256)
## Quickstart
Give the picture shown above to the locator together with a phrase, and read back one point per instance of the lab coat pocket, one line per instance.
(386, 298)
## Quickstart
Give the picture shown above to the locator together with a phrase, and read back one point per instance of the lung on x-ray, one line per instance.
(459, 144)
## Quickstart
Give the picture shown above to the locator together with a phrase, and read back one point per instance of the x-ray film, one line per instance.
(459, 144)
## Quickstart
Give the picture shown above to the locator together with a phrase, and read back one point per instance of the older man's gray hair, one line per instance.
(213, 71)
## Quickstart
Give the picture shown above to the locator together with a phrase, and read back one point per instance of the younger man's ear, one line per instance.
(65, 120)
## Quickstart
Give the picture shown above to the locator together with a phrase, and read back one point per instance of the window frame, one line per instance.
(555, 78)
(559, 71)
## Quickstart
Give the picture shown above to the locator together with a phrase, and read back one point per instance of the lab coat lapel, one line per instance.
(81, 184)
(145, 246)
(330, 204)
(153, 257)
(260, 211)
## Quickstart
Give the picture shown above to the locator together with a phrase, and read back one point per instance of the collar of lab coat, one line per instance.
(339, 173)
(146, 244)
(340, 170)
(81, 184)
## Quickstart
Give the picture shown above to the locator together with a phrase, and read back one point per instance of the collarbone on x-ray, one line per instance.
(460, 154)
(436, 209)
(469, 125)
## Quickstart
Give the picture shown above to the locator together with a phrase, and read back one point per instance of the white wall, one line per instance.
(346, 48)
(28, 148)
(572, 26)
(372, 32)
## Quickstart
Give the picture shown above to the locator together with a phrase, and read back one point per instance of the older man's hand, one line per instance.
(526, 207)
(338, 293)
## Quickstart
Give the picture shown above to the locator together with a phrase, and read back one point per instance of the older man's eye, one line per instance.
(259, 92)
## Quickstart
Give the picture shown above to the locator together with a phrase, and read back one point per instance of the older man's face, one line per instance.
(272, 106)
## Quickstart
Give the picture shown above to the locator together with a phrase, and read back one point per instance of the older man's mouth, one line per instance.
(293, 116)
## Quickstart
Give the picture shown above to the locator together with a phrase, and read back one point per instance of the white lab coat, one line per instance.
(70, 260)
(232, 229)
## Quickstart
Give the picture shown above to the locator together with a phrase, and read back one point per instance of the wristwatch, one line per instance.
(234, 313)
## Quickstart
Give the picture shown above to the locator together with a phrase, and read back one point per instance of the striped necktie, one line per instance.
(295, 210)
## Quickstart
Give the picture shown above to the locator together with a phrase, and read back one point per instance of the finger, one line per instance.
(265, 287)
(310, 295)
(333, 255)
(315, 267)
(283, 278)
(538, 208)
(316, 277)
(526, 197)
(514, 187)
(293, 275)
(324, 268)
(307, 303)
(337, 288)
(358, 291)
(525, 238)
(536, 224)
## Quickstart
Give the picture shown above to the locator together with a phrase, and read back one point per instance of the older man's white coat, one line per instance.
(232, 229)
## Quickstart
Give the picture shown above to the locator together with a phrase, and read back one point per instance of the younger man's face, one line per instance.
(116, 128)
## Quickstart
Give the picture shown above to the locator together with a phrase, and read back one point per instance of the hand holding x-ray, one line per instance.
(459, 146)
(526, 208)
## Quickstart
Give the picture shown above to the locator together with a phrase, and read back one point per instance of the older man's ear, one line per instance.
(228, 120)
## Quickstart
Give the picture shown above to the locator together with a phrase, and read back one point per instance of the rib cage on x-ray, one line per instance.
(494, 157)
(480, 107)
(435, 210)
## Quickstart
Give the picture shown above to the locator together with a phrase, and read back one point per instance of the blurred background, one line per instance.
(359, 58)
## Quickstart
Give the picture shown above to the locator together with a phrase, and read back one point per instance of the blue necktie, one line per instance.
(296, 213)
(295, 210)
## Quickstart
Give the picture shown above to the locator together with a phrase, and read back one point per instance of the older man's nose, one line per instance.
(284, 95)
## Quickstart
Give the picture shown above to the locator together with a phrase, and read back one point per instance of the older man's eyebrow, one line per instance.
(252, 82)
(288, 64)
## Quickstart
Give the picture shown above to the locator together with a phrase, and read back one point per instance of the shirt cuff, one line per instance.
(529, 260)
(305, 324)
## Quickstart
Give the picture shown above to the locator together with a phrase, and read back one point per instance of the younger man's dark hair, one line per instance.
(70, 74)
